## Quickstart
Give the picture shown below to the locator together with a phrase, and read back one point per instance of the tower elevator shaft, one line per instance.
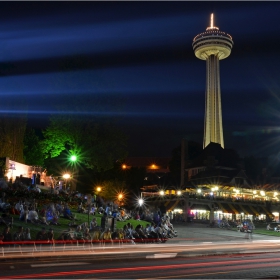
(213, 125)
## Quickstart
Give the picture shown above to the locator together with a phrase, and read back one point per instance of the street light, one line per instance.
(66, 176)
(98, 189)
(140, 201)
(161, 193)
(73, 158)
(120, 197)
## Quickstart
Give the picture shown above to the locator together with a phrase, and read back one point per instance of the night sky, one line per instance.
(133, 61)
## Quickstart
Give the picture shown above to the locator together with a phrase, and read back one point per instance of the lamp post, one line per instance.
(73, 161)
(140, 202)
(66, 176)
(161, 193)
(120, 197)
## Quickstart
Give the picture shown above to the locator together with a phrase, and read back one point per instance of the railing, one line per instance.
(24, 248)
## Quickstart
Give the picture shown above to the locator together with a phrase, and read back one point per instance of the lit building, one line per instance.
(212, 46)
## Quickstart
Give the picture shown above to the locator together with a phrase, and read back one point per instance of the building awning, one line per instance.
(200, 207)
(254, 209)
(266, 211)
(249, 210)
(234, 208)
(171, 204)
(226, 208)
(244, 209)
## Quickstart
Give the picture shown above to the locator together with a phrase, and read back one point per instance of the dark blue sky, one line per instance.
(134, 61)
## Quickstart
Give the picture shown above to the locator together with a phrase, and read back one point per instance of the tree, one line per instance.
(111, 189)
(32, 151)
(96, 144)
(12, 129)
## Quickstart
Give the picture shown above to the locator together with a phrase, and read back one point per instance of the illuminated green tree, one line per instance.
(96, 144)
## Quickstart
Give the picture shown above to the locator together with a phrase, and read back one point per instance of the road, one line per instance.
(198, 252)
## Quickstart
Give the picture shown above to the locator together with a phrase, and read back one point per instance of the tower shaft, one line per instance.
(213, 125)
(212, 45)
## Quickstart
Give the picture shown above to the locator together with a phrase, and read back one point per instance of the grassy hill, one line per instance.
(64, 224)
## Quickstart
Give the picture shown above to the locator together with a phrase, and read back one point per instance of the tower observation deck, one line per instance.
(212, 46)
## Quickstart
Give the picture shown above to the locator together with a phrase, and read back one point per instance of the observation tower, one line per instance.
(212, 46)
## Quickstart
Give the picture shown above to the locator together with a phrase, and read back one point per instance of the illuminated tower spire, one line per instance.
(212, 45)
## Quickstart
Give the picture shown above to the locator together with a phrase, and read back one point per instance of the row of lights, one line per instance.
(162, 193)
(262, 193)
(152, 166)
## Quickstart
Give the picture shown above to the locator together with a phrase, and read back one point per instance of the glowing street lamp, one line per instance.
(140, 201)
(73, 158)
(98, 189)
(161, 193)
(66, 176)
(179, 192)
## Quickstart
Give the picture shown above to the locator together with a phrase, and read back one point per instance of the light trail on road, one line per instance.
(167, 270)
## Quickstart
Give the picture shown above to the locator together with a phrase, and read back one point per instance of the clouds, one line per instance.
(135, 60)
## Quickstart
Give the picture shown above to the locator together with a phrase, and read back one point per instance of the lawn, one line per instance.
(64, 224)
(267, 232)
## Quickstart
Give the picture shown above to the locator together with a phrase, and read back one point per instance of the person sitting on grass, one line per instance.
(120, 234)
(92, 210)
(50, 235)
(277, 228)
(27, 235)
(18, 235)
(66, 235)
(78, 235)
(268, 227)
(81, 209)
(96, 235)
(152, 233)
(83, 226)
(33, 217)
(141, 233)
(87, 236)
(7, 234)
(93, 225)
(137, 216)
(42, 235)
(67, 213)
(107, 237)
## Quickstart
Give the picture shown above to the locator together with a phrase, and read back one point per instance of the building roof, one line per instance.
(214, 155)
(220, 176)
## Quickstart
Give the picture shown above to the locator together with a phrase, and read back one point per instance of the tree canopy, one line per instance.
(32, 150)
(97, 144)
(12, 129)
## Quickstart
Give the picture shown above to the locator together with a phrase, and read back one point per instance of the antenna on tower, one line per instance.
(212, 23)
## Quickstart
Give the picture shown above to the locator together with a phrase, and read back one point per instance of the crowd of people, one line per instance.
(94, 233)
(158, 228)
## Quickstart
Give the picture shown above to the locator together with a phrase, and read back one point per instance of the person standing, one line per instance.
(250, 228)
